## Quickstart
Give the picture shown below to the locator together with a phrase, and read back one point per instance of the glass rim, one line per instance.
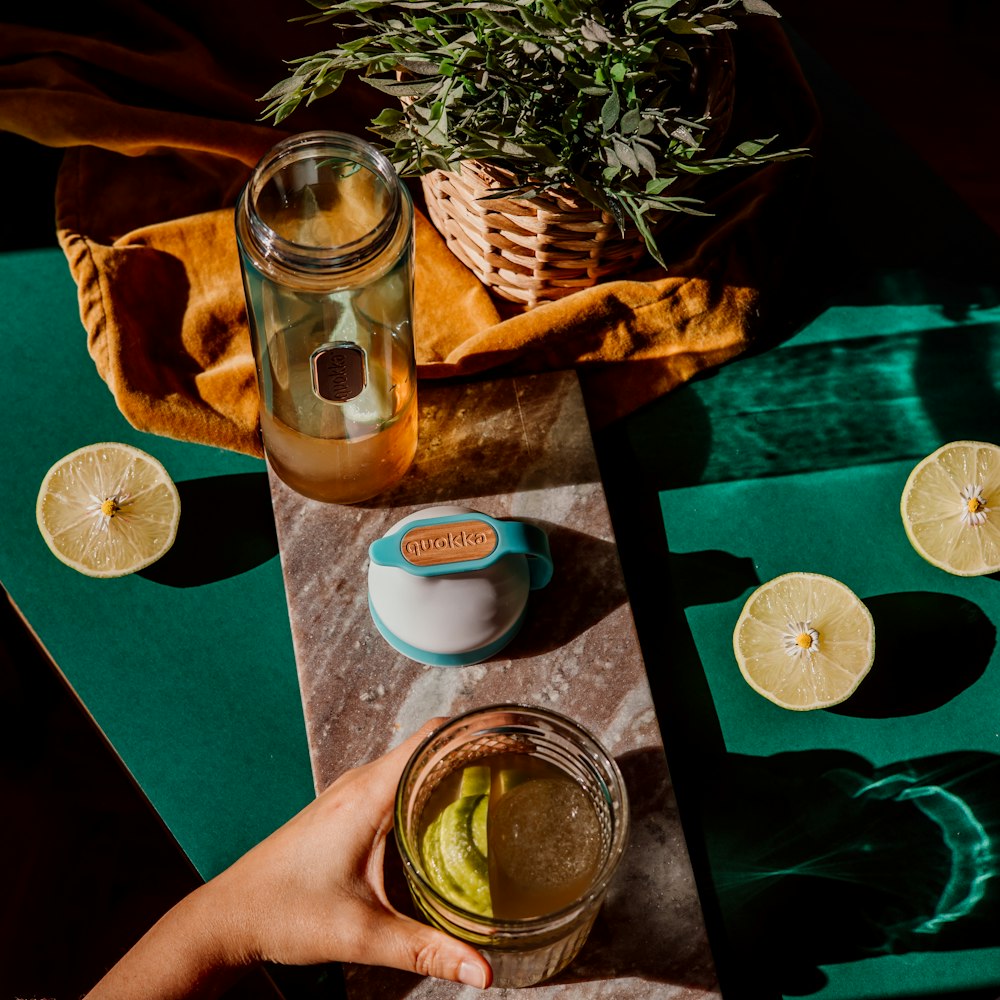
(499, 926)
(322, 259)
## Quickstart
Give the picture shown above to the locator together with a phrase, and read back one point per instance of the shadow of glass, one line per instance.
(667, 442)
(818, 858)
(215, 540)
(666, 950)
(916, 669)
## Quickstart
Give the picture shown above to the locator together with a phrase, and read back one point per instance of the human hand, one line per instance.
(311, 892)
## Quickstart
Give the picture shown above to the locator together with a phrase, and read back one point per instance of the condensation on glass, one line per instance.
(325, 233)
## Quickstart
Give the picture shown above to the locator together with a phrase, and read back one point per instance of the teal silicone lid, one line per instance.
(448, 586)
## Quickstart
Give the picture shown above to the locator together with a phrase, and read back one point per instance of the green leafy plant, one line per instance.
(604, 96)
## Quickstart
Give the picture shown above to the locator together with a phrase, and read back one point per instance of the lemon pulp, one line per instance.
(108, 509)
(804, 641)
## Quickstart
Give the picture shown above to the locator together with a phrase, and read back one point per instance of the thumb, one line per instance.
(402, 943)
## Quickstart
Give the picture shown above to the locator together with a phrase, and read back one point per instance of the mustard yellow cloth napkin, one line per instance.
(157, 107)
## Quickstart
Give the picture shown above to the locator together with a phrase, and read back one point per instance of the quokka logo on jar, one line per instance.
(458, 541)
(338, 372)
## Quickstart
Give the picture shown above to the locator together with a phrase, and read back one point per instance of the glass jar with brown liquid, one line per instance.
(325, 233)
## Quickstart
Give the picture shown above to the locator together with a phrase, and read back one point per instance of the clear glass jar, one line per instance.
(526, 949)
(325, 234)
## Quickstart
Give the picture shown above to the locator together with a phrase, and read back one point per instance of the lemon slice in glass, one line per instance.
(108, 509)
(951, 508)
(454, 846)
(804, 641)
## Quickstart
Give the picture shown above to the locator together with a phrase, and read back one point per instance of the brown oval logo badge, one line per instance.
(457, 541)
(338, 372)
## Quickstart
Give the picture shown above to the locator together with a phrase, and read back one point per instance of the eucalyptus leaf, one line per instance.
(682, 26)
(594, 31)
(618, 211)
(626, 155)
(638, 216)
(648, 8)
(403, 88)
(422, 67)
(389, 116)
(609, 111)
(717, 22)
(631, 120)
(505, 23)
(539, 25)
(391, 134)
(683, 134)
(647, 161)
(752, 147)
(658, 184)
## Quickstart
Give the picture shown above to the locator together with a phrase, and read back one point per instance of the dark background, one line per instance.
(87, 866)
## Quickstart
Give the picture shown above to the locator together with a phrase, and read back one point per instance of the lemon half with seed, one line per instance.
(804, 641)
(951, 508)
(108, 509)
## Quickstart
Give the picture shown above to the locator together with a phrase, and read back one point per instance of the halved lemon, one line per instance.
(804, 641)
(951, 508)
(108, 509)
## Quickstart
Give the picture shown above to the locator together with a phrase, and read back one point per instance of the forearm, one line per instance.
(184, 955)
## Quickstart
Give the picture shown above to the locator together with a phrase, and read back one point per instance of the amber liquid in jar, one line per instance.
(357, 449)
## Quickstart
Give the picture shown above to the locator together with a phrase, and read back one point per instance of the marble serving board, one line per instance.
(512, 448)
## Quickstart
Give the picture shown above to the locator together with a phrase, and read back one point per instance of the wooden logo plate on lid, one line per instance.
(456, 541)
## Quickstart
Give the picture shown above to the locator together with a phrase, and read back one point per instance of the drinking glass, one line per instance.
(527, 949)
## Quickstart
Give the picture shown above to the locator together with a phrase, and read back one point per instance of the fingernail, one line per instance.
(472, 975)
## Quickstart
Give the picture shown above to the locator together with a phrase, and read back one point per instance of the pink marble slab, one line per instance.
(512, 448)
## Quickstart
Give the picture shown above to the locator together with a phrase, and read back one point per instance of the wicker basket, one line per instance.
(529, 250)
